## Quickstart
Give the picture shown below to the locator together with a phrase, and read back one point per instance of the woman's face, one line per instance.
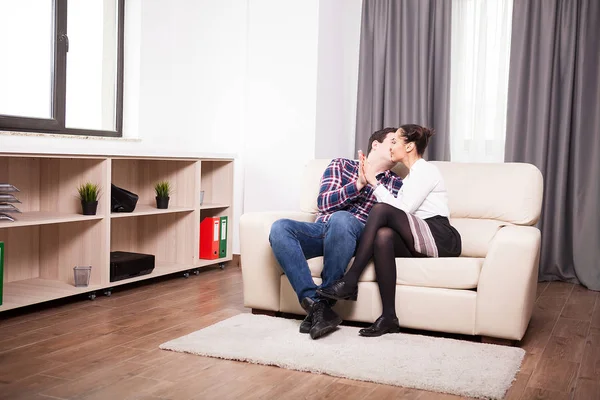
(398, 149)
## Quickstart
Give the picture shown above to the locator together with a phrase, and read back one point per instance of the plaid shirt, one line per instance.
(339, 192)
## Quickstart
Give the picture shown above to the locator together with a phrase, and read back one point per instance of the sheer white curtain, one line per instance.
(480, 55)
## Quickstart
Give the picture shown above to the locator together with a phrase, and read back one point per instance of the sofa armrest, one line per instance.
(261, 274)
(508, 281)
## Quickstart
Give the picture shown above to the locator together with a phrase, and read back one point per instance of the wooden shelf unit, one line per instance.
(51, 236)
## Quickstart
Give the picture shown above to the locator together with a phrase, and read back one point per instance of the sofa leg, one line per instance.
(257, 311)
(498, 341)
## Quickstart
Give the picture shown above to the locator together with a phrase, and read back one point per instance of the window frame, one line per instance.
(56, 124)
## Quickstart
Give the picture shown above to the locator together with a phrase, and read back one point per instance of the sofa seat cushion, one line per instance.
(449, 273)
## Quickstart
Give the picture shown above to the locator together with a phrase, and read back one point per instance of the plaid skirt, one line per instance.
(435, 237)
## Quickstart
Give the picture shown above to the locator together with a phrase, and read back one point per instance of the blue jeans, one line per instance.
(293, 242)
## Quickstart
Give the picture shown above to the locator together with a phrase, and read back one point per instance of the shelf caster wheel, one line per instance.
(186, 274)
(108, 292)
(222, 266)
(196, 272)
(92, 296)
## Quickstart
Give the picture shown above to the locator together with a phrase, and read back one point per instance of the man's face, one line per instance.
(383, 149)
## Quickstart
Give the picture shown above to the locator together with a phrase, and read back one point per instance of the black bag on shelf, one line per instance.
(122, 200)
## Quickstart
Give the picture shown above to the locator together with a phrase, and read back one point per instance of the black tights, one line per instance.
(387, 235)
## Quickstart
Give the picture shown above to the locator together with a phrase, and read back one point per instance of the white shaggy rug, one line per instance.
(413, 361)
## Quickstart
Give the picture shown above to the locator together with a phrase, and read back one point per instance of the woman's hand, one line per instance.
(362, 180)
(367, 171)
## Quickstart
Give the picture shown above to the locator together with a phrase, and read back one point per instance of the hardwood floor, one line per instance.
(108, 349)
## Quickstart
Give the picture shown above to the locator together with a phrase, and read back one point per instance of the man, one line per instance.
(344, 203)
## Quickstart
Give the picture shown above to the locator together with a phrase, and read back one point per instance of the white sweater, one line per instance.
(423, 192)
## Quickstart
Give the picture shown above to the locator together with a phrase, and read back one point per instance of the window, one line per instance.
(62, 66)
(480, 52)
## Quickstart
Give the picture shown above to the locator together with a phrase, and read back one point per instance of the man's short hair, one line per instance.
(379, 136)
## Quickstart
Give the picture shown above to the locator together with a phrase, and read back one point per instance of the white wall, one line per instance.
(302, 89)
(271, 81)
(281, 98)
(192, 67)
(337, 82)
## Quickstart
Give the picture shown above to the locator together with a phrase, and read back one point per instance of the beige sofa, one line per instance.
(488, 291)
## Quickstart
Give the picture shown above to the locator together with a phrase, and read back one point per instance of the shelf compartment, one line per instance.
(49, 184)
(167, 236)
(217, 182)
(48, 253)
(44, 218)
(144, 209)
(139, 176)
(219, 212)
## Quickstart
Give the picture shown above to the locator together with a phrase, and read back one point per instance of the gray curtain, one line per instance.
(554, 123)
(404, 69)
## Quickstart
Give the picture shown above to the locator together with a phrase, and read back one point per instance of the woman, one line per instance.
(414, 224)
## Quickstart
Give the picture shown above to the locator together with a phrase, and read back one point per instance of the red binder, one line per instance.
(209, 238)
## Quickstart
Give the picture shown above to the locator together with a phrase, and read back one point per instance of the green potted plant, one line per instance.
(163, 190)
(88, 194)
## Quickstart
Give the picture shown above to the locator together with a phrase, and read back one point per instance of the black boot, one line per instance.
(381, 326)
(307, 304)
(324, 319)
(340, 290)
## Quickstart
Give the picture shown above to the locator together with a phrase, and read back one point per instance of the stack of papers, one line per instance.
(7, 202)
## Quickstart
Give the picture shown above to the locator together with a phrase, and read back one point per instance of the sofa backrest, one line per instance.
(509, 192)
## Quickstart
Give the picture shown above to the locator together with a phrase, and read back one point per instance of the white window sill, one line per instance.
(66, 136)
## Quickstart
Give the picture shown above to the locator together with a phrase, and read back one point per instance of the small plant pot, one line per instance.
(162, 202)
(89, 207)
